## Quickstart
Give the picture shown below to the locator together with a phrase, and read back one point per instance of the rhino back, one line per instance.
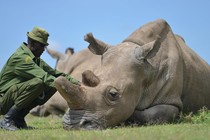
(182, 76)
(196, 73)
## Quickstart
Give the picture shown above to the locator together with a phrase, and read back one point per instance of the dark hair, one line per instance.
(70, 49)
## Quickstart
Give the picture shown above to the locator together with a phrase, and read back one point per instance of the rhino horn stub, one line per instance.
(73, 94)
(90, 79)
(96, 46)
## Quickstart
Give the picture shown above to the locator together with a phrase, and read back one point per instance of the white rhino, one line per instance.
(150, 77)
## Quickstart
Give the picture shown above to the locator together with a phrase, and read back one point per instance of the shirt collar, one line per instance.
(27, 50)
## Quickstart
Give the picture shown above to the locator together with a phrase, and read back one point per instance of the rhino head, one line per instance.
(110, 94)
(62, 59)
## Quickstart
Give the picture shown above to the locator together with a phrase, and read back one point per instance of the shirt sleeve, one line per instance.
(50, 70)
(57, 73)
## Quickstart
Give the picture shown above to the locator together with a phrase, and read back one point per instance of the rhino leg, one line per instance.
(155, 115)
(39, 111)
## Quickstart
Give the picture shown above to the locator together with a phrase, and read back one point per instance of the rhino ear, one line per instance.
(150, 49)
(55, 54)
(96, 46)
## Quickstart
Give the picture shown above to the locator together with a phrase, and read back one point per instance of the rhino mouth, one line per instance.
(78, 117)
(81, 120)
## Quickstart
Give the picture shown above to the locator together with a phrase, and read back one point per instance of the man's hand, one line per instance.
(76, 82)
(72, 80)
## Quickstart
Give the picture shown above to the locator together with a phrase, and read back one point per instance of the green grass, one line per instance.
(190, 127)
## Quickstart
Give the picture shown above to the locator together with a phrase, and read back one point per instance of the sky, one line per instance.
(111, 21)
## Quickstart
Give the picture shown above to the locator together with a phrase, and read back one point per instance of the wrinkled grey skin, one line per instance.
(56, 105)
(148, 78)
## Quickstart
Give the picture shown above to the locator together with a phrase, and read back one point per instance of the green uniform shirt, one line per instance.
(23, 66)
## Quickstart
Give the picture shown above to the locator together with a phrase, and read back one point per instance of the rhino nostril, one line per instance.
(86, 124)
(89, 125)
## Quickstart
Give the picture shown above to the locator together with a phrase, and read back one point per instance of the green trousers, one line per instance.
(26, 95)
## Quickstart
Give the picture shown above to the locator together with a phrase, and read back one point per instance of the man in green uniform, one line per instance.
(26, 81)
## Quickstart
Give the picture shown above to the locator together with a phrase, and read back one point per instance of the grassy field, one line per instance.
(191, 127)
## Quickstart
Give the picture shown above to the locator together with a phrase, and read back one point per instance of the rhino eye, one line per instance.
(113, 94)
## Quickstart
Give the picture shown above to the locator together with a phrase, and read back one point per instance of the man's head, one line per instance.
(37, 40)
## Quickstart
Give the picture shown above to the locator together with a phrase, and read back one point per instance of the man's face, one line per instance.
(37, 48)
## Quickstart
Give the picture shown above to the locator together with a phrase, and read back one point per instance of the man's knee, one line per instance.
(30, 89)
